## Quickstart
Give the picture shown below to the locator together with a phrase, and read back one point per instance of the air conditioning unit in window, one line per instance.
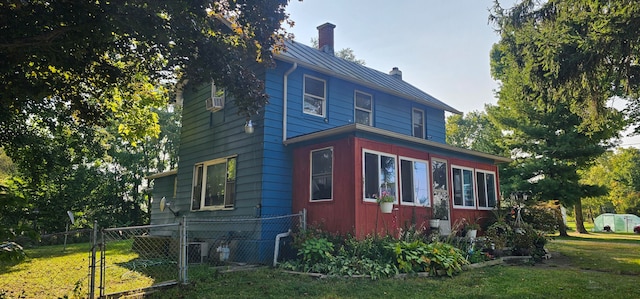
(215, 104)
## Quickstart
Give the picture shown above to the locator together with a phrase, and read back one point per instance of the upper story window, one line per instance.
(463, 192)
(314, 96)
(417, 118)
(414, 182)
(214, 184)
(364, 107)
(379, 175)
(322, 174)
(486, 182)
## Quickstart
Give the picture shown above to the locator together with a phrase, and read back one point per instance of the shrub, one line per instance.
(11, 252)
(435, 258)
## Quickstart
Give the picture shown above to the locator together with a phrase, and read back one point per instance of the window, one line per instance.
(414, 182)
(322, 174)
(314, 96)
(379, 175)
(463, 187)
(418, 123)
(486, 182)
(363, 104)
(439, 171)
(214, 184)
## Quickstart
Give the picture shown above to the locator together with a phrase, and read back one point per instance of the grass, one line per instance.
(602, 265)
(50, 272)
(491, 282)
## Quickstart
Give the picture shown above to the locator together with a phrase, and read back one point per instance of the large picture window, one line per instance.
(314, 96)
(463, 194)
(214, 184)
(486, 182)
(363, 107)
(414, 182)
(379, 175)
(322, 174)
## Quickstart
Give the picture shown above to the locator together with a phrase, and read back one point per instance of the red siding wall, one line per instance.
(335, 215)
(347, 212)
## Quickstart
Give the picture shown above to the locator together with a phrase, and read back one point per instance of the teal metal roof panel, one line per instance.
(348, 70)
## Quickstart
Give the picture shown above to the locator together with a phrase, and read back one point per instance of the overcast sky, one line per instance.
(441, 46)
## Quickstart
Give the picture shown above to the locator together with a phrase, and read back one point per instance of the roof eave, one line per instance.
(364, 128)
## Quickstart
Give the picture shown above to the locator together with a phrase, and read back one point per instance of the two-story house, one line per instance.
(334, 136)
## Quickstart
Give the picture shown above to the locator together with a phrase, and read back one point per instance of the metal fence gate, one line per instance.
(134, 259)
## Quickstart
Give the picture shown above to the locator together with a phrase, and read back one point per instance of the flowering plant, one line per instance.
(385, 196)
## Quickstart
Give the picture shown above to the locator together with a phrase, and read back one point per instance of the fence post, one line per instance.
(92, 263)
(183, 252)
(303, 219)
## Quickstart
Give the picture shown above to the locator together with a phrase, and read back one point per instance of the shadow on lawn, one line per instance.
(616, 256)
(159, 269)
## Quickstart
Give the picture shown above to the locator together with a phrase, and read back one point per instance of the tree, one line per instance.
(620, 172)
(553, 95)
(91, 57)
(474, 131)
(345, 53)
(584, 52)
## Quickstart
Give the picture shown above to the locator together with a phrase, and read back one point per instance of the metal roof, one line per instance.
(329, 64)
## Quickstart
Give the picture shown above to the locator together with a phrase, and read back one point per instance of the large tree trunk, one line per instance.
(561, 227)
(579, 218)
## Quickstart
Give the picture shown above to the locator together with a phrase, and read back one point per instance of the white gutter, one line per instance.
(284, 100)
(276, 250)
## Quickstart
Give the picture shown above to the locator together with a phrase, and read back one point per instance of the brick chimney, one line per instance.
(396, 73)
(325, 37)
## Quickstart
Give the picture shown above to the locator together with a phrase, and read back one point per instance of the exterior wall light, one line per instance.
(248, 127)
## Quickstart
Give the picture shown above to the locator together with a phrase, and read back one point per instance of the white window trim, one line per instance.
(495, 188)
(473, 187)
(356, 108)
(311, 174)
(424, 126)
(204, 176)
(324, 100)
(429, 182)
(365, 151)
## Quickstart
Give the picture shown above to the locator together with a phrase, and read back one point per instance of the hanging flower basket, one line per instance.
(434, 223)
(386, 207)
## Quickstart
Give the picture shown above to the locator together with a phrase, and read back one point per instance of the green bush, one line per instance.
(436, 257)
(11, 252)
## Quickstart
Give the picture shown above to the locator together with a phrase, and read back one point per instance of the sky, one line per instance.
(441, 46)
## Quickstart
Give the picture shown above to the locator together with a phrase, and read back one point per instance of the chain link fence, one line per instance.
(135, 259)
(248, 240)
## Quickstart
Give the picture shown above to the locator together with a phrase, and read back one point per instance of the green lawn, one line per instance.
(602, 265)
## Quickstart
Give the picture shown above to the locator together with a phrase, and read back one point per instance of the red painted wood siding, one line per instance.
(348, 212)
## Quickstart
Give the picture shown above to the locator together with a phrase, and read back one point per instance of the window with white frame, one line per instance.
(314, 101)
(214, 184)
(486, 183)
(363, 108)
(463, 192)
(414, 182)
(379, 172)
(322, 174)
(417, 117)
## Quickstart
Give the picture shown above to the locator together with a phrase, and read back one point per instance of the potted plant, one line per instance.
(440, 212)
(386, 201)
(472, 229)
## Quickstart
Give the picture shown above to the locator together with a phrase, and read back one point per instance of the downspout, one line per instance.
(284, 100)
(276, 250)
